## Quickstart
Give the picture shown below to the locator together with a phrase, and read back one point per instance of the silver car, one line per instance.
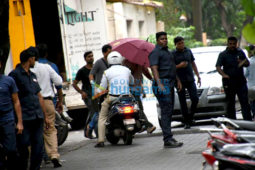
(211, 93)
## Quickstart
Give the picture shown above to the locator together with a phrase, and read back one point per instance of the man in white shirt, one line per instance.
(117, 79)
(46, 76)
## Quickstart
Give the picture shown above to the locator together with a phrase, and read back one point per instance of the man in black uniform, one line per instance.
(185, 64)
(233, 60)
(164, 74)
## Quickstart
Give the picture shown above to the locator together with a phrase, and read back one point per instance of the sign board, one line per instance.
(83, 28)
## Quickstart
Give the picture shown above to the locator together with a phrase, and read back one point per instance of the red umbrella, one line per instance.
(134, 50)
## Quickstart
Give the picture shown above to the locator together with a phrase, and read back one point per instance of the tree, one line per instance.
(197, 18)
(249, 28)
(4, 32)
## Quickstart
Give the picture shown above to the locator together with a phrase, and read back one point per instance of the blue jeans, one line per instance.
(166, 103)
(32, 135)
(8, 141)
(93, 120)
(192, 89)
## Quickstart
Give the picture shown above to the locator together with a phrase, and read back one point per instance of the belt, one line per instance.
(117, 95)
(48, 98)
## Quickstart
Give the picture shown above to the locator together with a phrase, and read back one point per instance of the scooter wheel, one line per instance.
(128, 138)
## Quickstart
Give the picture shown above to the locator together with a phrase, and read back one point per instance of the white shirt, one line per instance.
(46, 76)
(250, 73)
(117, 78)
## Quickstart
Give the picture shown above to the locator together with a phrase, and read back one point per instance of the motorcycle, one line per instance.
(218, 157)
(61, 124)
(123, 120)
(234, 124)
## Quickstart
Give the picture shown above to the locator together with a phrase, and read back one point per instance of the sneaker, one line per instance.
(172, 144)
(99, 145)
(56, 163)
(151, 129)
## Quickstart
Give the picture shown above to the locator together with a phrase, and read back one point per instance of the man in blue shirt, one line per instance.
(33, 111)
(8, 101)
(164, 73)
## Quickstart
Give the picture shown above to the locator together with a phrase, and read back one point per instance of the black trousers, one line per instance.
(233, 88)
(192, 90)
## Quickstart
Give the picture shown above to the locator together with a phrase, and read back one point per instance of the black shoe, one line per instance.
(99, 145)
(172, 144)
(187, 126)
(56, 163)
(88, 133)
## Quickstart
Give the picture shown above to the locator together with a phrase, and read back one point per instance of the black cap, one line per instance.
(27, 53)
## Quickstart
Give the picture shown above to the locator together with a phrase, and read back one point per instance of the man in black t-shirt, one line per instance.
(233, 59)
(86, 91)
(185, 64)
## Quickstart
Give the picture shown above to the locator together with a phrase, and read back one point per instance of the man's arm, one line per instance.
(59, 105)
(147, 73)
(46, 120)
(17, 108)
(194, 67)
(77, 88)
(183, 64)
(221, 72)
(155, 73)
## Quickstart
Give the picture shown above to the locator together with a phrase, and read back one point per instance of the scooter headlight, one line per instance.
(216, 165)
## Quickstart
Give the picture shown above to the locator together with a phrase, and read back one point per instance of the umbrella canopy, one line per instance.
(134, 50)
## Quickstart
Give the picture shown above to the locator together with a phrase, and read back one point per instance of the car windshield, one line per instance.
(206, 61)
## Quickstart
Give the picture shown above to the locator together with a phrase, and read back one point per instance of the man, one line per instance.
(8, 101)
(233, 60)
(137, 71)
(98, 69)
(86, 91)
(33, 111)
(118, 76)
(164, 73)
(46, 76)
(43, 55)
(185, 65)
(250, 75)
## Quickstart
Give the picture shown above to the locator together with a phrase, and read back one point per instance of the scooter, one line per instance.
(215, 147)
(234, 124)
(123, 120)
(61, 124)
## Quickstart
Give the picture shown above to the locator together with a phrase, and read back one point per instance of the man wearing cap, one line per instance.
(33, 111)
(9, 102)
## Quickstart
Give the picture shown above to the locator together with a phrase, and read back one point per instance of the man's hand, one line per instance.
(47, 122)
(199, 82)
(183, 64)
(225, 76)
(161, 87)
(59, 107)
(84, 95)
(179, 85)
(19, 127)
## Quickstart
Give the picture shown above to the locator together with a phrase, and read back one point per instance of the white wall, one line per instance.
(124, 19)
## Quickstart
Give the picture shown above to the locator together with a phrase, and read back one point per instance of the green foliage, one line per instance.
(218, 42)
(249, 7)
(249, 32)
(249, 29)
(186, 33)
